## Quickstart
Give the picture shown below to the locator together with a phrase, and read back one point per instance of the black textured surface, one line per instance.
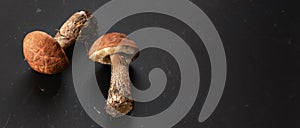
(261, 40)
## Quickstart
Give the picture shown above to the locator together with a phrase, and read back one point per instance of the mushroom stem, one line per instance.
(69, 31)
(119, 101)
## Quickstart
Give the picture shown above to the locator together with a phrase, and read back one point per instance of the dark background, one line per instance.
(261, 40)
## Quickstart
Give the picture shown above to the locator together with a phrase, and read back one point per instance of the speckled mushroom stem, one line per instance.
(69, 31)
(119, 101)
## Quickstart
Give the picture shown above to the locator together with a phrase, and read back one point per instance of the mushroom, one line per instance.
(45, 54)
(117, 50)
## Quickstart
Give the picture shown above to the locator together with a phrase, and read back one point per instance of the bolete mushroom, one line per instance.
(45, 54)
(118, 51)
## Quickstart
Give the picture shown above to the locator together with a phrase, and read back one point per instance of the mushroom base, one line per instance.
(120, 107)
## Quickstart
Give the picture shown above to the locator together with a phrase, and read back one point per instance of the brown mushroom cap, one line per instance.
(43, 53)
(110, 44)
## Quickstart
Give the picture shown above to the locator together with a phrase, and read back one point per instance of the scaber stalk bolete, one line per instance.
(45, 54)
(118, 51)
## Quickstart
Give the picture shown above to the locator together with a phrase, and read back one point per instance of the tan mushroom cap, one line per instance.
(43, 53)
(110, 44)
